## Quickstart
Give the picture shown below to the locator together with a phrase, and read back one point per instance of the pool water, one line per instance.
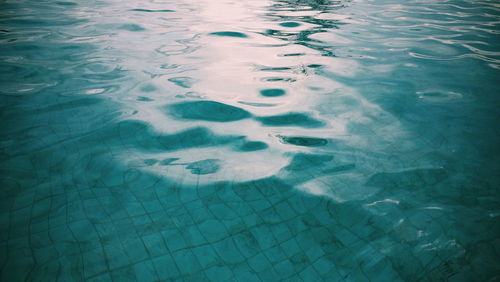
(260, 140)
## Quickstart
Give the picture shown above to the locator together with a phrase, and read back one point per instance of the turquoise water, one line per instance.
(224, 140)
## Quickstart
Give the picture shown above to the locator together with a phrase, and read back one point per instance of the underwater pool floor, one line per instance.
(286, 140)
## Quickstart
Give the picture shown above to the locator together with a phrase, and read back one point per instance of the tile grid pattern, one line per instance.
(115, 229)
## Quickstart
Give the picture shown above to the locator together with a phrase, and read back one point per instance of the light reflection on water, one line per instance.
(252, 48)
(360, 134)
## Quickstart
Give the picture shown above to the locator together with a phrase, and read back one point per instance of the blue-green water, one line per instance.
(260, 140)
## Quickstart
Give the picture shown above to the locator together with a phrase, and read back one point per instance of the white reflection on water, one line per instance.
(231, 51)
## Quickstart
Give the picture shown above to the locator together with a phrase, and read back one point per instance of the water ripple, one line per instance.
(359, 137)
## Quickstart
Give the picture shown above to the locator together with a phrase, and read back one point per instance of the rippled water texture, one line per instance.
(253, 140)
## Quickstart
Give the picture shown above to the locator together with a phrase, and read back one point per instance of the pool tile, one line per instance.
(174, 239)
(155, 245)
(186, 262)
(284, 268)
(285, 211)
(343, 235)
(17, 269)
(123, 274)
(269, 274)
(234, 226)
(94, 263)
(219, 273)
(291, 247)
(281, 231)
(116, 256)
(323, 266)
(135, 209)
(200, 215)
(275, 254)
(213, 230)
(262, 233)
(222, 212)
(252, 220)
(259, 205)
(153, 206)
(241, 208)
(314, 252)
(166, 267)
(193, 236)
(105, 277)
(206, 255)
(145, 271)
(228, 252)
(246, 243)
(300, 261)
(258, 262)
(247, 276)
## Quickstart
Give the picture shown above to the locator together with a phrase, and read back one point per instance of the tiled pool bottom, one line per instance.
(224, 140)
(124, 225)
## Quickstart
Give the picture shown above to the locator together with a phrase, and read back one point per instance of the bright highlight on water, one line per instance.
(259, 140)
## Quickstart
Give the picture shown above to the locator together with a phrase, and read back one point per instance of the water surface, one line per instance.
(249, 140)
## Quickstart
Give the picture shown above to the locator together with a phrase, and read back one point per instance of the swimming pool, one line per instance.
(301, 140)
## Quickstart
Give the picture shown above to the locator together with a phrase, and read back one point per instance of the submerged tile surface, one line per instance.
(249, 141)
